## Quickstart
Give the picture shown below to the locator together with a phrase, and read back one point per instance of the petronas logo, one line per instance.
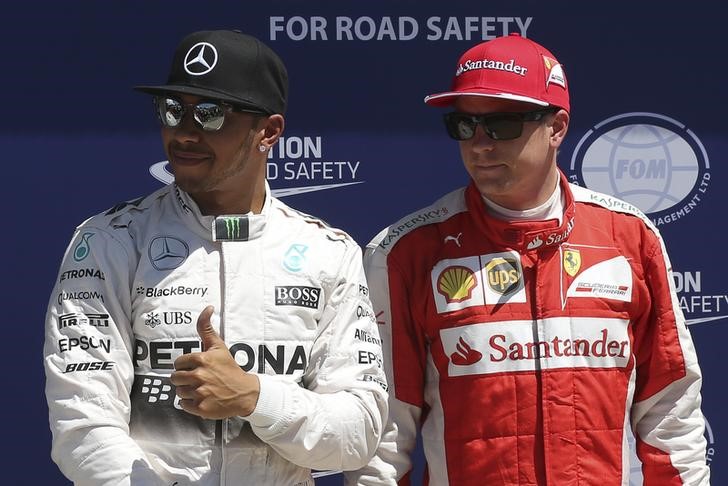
(82, 249)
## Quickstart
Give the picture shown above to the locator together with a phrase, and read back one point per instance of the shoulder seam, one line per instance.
(442, 209)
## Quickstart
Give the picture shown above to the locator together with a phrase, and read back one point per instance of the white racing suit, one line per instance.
(292, 305)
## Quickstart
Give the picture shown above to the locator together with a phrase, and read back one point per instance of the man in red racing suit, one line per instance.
(530, 327)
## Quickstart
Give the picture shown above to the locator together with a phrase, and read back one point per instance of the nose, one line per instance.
(481, 142)
(188, 130)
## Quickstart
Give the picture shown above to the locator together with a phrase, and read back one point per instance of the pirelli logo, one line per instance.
(562, 342)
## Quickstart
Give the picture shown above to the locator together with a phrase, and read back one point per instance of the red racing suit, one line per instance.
(529, 352)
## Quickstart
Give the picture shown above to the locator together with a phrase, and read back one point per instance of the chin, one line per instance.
(491, 188)
(187, 185)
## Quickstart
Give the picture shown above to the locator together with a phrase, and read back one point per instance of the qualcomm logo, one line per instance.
(649, 160)
(296, 165)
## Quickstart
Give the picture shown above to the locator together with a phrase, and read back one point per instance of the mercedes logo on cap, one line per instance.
(167, 252)
(200, 59)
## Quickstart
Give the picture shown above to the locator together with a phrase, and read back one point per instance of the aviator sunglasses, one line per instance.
(209, 115)
(498, 126)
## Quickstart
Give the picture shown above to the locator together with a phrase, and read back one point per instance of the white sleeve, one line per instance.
(88, 365)
(666, 416)
(336, 421)
(393, 458)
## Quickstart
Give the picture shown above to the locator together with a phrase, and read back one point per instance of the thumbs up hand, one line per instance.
(210, 383)
(210, 338)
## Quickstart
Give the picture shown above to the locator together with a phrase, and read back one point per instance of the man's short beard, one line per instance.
(193, 186)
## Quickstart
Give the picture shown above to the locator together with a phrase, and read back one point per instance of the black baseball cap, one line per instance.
(229, 66)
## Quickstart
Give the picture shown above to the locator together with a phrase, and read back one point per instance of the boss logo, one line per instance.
(297, 295)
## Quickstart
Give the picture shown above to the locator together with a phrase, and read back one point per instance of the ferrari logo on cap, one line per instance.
(554, 72)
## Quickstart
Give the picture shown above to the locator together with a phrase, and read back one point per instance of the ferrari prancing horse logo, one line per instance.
(572, 262)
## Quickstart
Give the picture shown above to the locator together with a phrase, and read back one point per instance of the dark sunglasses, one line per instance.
(209, 115)
(498, 126)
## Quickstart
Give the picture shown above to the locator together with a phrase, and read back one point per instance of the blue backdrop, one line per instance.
(648, 124)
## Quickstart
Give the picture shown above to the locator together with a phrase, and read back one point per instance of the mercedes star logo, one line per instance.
(200, 59)
(167, 252)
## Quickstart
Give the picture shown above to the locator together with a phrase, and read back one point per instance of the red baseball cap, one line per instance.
(510, 67)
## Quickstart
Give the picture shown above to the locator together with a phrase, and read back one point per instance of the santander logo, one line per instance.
(465, 355)
(561, 342)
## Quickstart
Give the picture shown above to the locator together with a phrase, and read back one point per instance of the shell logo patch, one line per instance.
(492, 279)
(456, 283)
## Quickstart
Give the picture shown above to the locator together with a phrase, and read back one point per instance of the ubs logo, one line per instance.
(167, 252)
(649, 160)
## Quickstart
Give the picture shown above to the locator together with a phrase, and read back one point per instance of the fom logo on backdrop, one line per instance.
(296, 165)
(659, 165)
(649, 160)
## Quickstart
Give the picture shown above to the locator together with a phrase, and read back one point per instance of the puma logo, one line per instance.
(456, 239)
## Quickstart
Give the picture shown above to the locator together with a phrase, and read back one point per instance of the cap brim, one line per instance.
(448, 98)
(203, 93)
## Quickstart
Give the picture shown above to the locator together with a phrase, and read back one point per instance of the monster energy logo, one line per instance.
(82, 250)
(231, 228)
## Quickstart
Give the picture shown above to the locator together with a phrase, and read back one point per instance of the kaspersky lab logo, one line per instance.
(649, 160)
(296, 165)
(230, 228)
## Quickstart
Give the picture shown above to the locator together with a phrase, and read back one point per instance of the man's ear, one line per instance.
(271, 129)
(559, 126)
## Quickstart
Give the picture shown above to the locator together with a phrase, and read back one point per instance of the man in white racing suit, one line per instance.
(208, 333)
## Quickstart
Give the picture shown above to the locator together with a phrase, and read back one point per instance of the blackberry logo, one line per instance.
(649, 160)
(156, 390)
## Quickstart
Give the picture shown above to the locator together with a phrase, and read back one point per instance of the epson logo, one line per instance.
(84, 343)
(300, 296)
